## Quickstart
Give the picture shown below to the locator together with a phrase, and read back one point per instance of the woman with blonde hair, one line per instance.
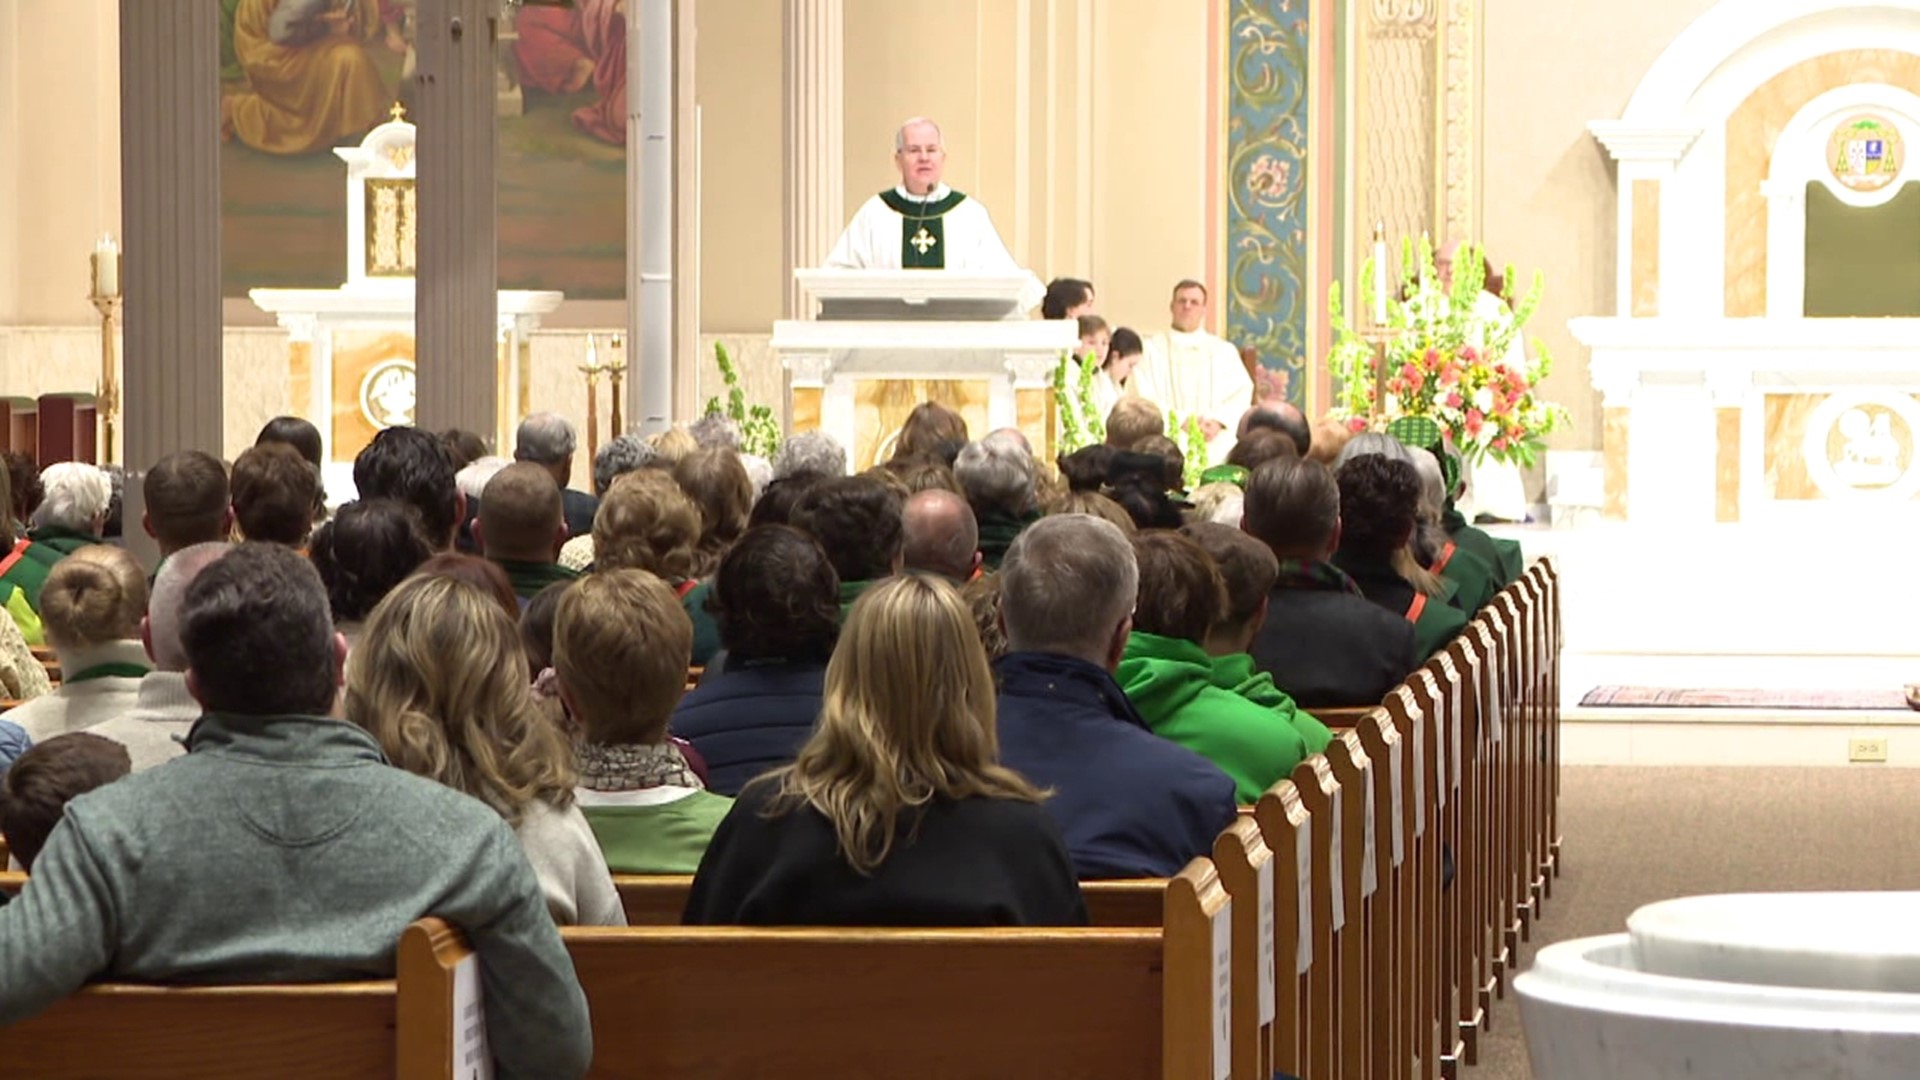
(896, 812)
(439, 679)
(91, 607)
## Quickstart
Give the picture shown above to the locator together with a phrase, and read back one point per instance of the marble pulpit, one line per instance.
(887, 340)
(351, 349)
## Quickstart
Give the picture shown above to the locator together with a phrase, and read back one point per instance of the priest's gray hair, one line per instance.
(810, 452)
(77, 493)
(1066, 584)
(996, 473)
(544, 438)
(1373, 442)
(900, 134)
(620, 456)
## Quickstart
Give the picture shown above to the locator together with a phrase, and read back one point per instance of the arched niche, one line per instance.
(1803, 162)
(1696, 236)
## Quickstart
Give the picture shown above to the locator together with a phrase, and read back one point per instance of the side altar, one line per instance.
(887, 340)
(351, 358)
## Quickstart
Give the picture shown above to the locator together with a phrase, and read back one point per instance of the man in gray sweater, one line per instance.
(283, 847)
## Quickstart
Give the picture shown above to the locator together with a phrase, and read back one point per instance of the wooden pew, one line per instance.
(722, 1002)
(1358, 884)
(1246, 867)
(1287, 830)
(1342, 717)
(404, 1028)
(1320, 1004)
(1388, 939)
(1440, 695)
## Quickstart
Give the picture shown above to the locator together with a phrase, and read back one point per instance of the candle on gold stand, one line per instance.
(105, 294)
(592, 369)
(1381, 333)
(617, 370)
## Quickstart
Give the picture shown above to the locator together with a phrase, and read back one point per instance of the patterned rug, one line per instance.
(1661, 697)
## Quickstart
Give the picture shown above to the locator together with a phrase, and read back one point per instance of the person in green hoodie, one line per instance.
(1167, 672)
(1249, 570)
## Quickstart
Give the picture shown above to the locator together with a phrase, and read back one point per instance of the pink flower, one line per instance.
(1470, 354)
(1432, 358)
(1450, 375)
(1357, 424)
(1453, 400)
(1475, 420)
(1500, 443)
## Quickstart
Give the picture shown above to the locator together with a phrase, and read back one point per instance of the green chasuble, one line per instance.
(923, 238)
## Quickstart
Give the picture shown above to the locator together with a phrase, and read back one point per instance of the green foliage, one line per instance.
(759, 430)
(1081, 424)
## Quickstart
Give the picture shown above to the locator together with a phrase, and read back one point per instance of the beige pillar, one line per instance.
(170, 215)
(813, 138)
(455, 304)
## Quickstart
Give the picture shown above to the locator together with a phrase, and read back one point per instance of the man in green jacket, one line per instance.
(1169, 676)
(283, 847)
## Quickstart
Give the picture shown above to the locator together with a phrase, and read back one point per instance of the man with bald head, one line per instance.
(921, 223)
(163, 711)
(942, 535)
(1278, 416)
(522, 526)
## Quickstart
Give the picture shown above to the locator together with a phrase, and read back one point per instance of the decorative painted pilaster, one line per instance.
(1460, 110)
(813, 138)
(1647, 157)
(455, 303)
(1269, 295)
(170, 218)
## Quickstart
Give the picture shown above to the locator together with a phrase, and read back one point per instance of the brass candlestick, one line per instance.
(107, 394)
(1378, 337)
(616, 371)
(592, 369)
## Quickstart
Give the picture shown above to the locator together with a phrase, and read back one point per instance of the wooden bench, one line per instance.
(403, 1028)
(724, 1002)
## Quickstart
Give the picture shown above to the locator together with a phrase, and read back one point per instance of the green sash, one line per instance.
(923, 236)
(103, 671)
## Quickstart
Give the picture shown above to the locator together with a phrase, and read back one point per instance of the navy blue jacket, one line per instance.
(749, 719)
(1129, 803)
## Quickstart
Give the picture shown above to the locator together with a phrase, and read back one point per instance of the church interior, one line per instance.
(1622, 295)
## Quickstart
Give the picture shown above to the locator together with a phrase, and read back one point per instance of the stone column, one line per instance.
(651, 182)
(813, 138)
(455, 322)
(170, 217)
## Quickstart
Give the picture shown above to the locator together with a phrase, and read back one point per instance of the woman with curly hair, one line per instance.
(439, 679)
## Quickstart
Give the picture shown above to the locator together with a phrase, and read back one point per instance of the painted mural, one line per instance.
(301, 77)
(1268, 296)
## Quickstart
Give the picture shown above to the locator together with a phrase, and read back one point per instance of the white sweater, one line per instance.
(76, 706)
(162, 714)
(572, 871)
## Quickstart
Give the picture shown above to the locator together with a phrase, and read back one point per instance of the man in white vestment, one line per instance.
(1191, 372)
(923, 224)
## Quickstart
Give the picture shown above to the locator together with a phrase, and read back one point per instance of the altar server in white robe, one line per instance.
(922, 224)
(1191, 372)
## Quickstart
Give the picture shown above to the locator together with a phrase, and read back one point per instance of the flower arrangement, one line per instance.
(1451, 355)
(1187, 434)
(759, 431)
(1081, 423)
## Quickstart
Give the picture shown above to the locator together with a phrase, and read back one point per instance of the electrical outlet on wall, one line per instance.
(1867, 749)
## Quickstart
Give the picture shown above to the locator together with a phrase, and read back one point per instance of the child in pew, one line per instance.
(896, 811)
(439, 679)
(35, 791)
(621, 643)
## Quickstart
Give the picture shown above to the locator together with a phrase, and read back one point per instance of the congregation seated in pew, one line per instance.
(1379, 507)
(620, 647)
(336, 851)
(415, 467)
(362, 552)
(1129, 803)
(427, 681)
(895, 812)
(155, 726)
(1322, 641)
(777, 601)
(856, 520)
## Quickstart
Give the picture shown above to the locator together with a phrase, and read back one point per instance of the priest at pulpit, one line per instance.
(922, 224)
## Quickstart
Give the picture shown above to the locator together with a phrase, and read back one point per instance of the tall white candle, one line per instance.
(107, 267)
(1380, 273)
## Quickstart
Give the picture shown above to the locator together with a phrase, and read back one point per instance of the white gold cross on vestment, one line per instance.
(923, 240)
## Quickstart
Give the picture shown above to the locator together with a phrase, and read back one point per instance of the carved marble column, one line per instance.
(170, 218)
(813, 138)
(455, 322)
